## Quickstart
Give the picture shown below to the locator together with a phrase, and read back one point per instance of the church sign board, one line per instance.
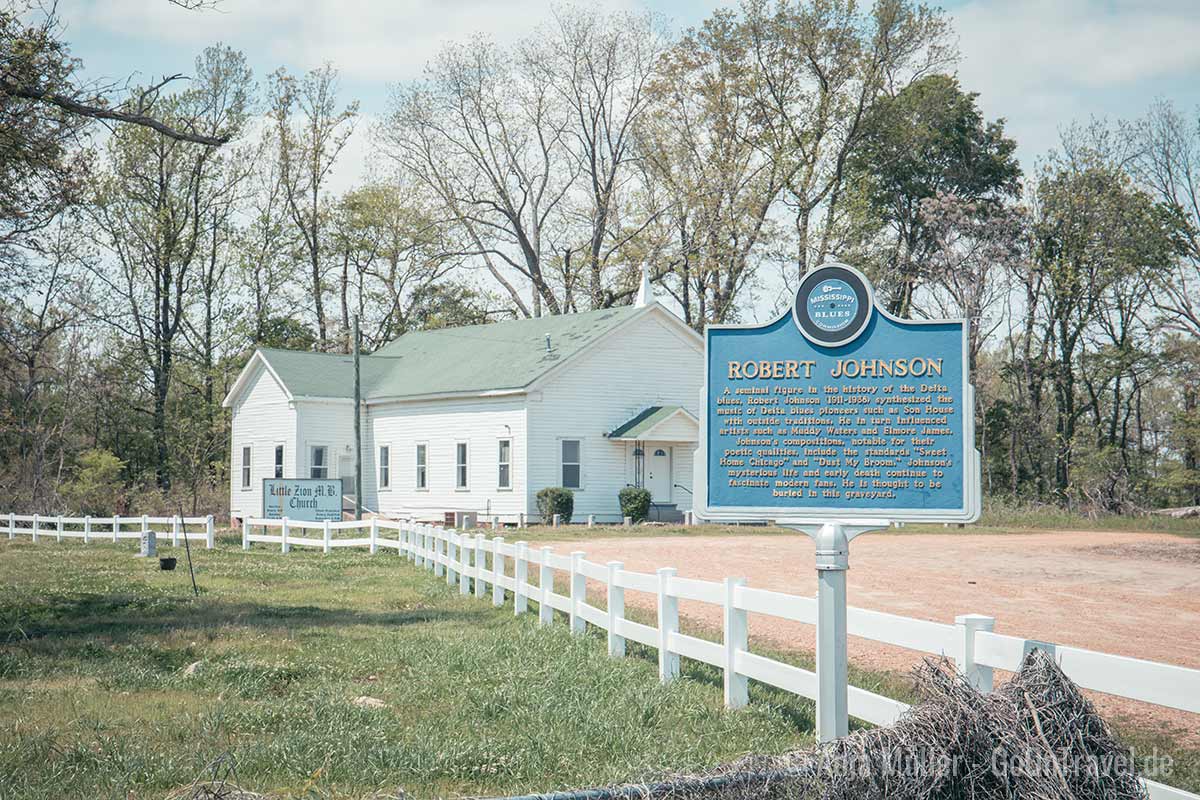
(306, 499)
(838, 411)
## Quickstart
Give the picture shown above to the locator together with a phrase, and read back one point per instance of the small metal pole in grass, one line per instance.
(188, 549)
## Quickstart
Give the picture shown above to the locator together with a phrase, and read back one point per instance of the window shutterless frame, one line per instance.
(385, 467)
(504, 464)
(570, 463)
(247, 460)
(422, 465)
(318, 461)
(278, 461)
(461, 466)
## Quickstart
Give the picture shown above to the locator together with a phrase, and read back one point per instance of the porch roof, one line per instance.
(659, 423)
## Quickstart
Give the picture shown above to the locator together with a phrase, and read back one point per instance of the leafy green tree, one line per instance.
(97, 484)
(928, 139)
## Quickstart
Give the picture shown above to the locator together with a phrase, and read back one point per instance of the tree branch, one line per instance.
(100, 112)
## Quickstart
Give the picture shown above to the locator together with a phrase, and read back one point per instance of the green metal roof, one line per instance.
(476, 358)
(644, 422)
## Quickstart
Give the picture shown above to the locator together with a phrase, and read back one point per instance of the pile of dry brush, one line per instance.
(1036, 737)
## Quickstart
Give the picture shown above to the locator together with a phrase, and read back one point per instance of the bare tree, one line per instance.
(310, 133)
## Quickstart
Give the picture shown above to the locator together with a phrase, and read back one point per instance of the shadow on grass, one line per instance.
(119, 617)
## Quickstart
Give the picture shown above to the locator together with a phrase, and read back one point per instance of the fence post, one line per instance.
(978, 675)
(328, 537)
(284, 530)
(465, 553)
(480, 564)
(520, 577)
(616, 610)
(35, 528)
(87, 529)
(116, 526)
(439, 551)
(578, 592)
(419, 534)
(451, 555)
(246, 533)
(12, 525)
(668, 623)
(209, 532)
(175, 531)
(497, 571)
(546, 584)
(737, 637)
(58, 529)
(374, 535)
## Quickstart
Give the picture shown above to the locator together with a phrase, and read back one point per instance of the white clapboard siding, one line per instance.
(329, 423)
(262, 418)
(649, 362)
(440, 424)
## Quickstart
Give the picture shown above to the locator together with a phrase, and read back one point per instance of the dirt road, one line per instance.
(1132, 594)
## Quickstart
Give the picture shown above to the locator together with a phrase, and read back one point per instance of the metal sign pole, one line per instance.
(832, 540)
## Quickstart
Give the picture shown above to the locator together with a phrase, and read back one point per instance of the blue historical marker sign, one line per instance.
(308, 499)
(838, 411)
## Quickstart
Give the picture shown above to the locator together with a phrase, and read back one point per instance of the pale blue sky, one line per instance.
(1038, 63)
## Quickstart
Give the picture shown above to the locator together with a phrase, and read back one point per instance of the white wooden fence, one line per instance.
(107, 529)
(491, 567)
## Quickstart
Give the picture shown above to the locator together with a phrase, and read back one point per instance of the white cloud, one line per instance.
(368, 40)
(1043, 63)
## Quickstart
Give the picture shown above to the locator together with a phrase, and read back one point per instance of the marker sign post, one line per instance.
(835, 420)
(306, 499)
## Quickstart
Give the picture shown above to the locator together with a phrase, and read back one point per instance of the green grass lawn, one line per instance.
(96, 700)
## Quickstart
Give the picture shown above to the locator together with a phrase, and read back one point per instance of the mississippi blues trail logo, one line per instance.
(833, 305)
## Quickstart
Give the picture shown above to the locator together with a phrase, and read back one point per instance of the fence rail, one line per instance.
(493, 567)
(477, 563)
(111, 529)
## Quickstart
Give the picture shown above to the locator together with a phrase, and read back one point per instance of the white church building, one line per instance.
(479, 418)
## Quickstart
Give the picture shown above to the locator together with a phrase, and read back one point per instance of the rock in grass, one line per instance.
(368, 702)
(193, 668)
